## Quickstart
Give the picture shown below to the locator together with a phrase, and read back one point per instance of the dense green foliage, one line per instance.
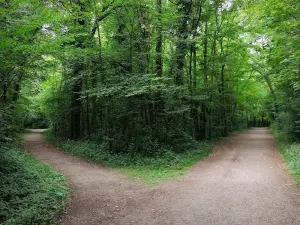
(131, 74)
(21, 50)
(276, 24)
(31, 192)
(140, 82)
(162, 165)
(142, 76)
(280, 61)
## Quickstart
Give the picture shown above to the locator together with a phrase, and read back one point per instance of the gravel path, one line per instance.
(244, 181)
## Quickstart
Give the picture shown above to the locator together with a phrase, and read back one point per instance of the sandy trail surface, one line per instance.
(244, 181)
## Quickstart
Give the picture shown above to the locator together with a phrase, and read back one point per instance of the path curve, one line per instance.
(244, 182)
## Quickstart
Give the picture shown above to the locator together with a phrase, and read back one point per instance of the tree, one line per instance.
(140, 75)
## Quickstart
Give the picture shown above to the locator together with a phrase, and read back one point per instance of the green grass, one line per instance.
(152, 173)
(30, 192)
(163, 165)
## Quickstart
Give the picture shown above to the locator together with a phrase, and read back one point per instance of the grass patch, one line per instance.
(31, 192)
(165, 169)
(162, 165)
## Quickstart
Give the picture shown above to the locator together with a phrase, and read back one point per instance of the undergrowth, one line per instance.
(31, 192)
(164, 164)
(290, 151)
(291, 154)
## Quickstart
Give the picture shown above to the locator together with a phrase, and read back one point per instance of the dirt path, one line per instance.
(243, 182)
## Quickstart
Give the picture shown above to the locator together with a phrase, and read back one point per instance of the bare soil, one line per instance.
(244, 181)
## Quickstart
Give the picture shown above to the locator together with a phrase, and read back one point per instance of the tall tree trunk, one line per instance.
(190, 68)
(158, 105)
(87, 116)
(223, 90)
(17, 88)
(269, 83)
(205, 67)
(195, 67)
(181, 46)
(158, 60)
(76, 88)
(76, 102)
(94, 81)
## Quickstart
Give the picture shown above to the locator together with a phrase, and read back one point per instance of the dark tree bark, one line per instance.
(269, 83)
(156, 108)
(205, 67)
(76, 103)
(224, 115)
(158, 60)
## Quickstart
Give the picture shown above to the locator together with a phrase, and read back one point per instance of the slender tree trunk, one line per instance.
(205, 67)
(190, 68)
(267, 78)
(195, 68)
(158, 60)
(94, 81)
(159, 104)
(76, 103)
(87, 118)
(223, 90)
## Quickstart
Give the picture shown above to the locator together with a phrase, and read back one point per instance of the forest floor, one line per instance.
(244, 181)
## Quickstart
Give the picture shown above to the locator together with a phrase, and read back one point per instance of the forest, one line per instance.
(141, 84)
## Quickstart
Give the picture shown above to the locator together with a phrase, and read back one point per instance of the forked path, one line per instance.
(244, 181)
